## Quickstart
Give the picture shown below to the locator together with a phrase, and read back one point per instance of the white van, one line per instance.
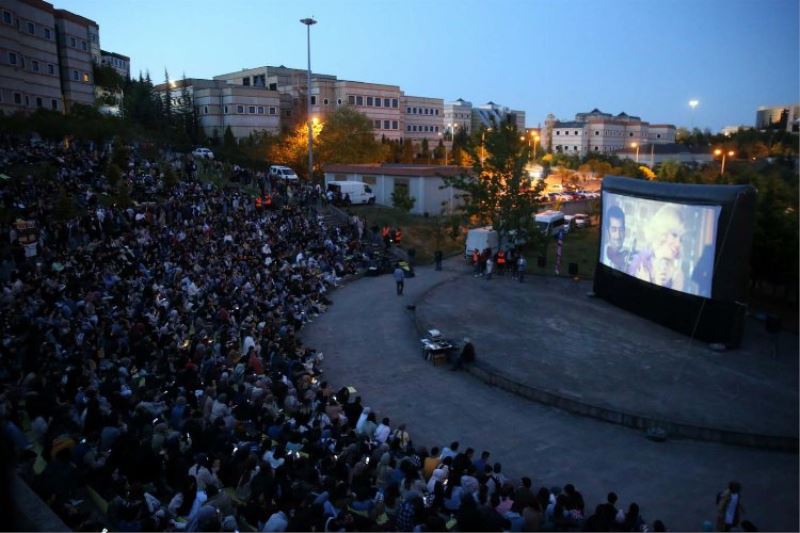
(550, 222)
(480, 239)
(357, 191)
(282, 173)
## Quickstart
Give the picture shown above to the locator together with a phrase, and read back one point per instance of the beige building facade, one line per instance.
(76, 57)
(29, 62)
(423, 119)
(457, 117)
(600, 132)
(120, 63)
(219, 105)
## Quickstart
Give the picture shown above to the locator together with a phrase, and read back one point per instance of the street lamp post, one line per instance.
(535, 142)
(729, 153)
(483, 153)
(309, 22)
(636, 145)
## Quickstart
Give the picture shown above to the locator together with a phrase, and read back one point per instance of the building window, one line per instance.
(324, 101)
(596, 133)
(31, 28)
(658, 136)
(48, 34)
(6, 17)
(240, 109)
(386, 124)
(370, 101)
(86, 77)
(252, 110)
(558, 132)
(630, 134)
(51, 69)
(72, 42)
(12, 58)
(359, 100)
(408, 110)
(376, 124)
(54, 104)
(205, 110)
(313, 100)
(83, 46)
(245, 80)
(395, 125)
(351, 100)
(17, 98)
(271, 110)
(437, 128)
(38, 102)
(377, 102)
(75, 75)
(394, 102)
(273, 86)
(261, 110)
(408, 127)
(35, 67)
(338, 101)
(595, 148)
(576, 133)
(226, 110)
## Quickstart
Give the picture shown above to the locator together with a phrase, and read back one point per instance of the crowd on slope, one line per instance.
(151, 361)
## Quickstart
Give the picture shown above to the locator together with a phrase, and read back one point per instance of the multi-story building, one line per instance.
(120, 63)
(457, 117)
(29, 63)
(380, 103)
(219, 105)
(785, 117)
(423, 119)
(596, 131)
(76, 57)
(491, 114)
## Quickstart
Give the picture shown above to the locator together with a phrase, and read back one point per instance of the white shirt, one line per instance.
(382, 432)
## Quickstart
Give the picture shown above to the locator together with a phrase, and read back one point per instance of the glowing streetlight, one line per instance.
(535, 142)
(729, 153)
(483, 154)
(636, 145)
(309, 22)
(693, 104)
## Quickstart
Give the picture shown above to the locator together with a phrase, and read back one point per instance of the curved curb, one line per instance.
(496, 378)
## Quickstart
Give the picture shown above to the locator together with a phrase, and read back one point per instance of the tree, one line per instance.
(402, 200)
(426, 152)
(347, 137)
(496, 192)
(408, 151)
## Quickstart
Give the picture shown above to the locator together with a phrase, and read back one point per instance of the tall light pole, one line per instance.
(729, 153)
(309, 22)
(693, 104)
(636, 145)
(535, 142)
(483, 154)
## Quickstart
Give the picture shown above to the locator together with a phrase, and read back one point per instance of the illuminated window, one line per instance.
(86, 77)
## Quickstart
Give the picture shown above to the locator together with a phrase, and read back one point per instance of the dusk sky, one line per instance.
(647, 58)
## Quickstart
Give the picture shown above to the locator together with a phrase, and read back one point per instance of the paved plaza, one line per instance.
(370, 340)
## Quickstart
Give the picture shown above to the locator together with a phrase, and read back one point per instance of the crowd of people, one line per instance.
(511, 260)
(151, 362)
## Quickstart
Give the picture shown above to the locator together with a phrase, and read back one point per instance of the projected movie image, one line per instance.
(667, 244)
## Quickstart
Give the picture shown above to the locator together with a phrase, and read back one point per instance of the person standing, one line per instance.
(437, 257)
(522, 264)
(729, 507)
(399, 278)
(489, 268)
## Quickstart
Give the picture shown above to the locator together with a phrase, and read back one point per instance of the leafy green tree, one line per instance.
(425, 153)
(402, 200)
(347, 137)
(408, 151)
(497, 191)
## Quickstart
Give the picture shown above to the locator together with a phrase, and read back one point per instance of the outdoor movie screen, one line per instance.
(664, 243)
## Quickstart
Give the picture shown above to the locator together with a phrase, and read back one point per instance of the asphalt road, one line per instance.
(370, 342)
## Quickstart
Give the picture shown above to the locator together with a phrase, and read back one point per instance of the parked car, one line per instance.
(581, 220)
(203, 153)
(283, 173)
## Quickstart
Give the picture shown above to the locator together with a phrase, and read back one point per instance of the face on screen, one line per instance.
(616, 232)
(665, 243)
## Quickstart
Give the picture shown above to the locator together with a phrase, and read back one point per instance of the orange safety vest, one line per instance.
(501, 258)
(258, 202)
(268, 200)
(398, 236)
(385, 231)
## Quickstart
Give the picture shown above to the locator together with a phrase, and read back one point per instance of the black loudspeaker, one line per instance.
(773, 324)
(573, 269)
(541, 262)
